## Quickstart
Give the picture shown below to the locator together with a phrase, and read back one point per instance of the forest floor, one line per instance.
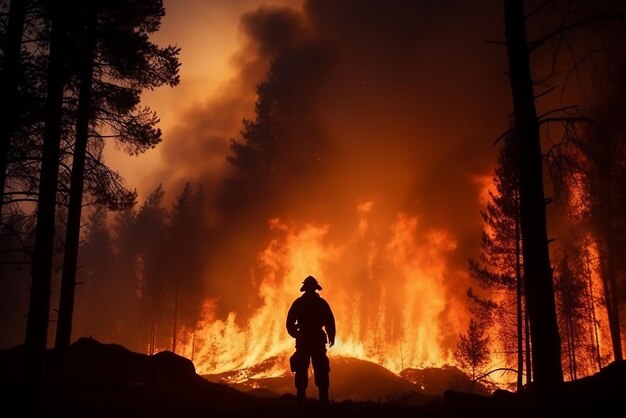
(107, 380)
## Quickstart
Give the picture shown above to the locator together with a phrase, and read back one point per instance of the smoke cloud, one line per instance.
(392, 109)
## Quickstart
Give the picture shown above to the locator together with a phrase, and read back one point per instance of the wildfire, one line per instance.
(393, 309)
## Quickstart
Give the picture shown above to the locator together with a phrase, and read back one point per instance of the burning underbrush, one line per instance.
(352, 379)
(387, 284)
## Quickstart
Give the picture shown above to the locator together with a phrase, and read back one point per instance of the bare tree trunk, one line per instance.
(537, 269)
(8, 86)
(153, 323)
(571, 344)
(72, 237)
(518, 300)
(529, 368)
(592, 308)
(39, 305)
(176, 302)
(612, 300)
(605, 233)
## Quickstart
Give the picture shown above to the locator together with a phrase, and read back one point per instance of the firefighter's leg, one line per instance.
(321, 367)
(299, 362)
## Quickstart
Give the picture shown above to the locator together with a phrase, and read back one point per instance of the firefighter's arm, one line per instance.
(292, 328)
(330, 327)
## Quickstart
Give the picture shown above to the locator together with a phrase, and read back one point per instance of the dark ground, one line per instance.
(107, 380)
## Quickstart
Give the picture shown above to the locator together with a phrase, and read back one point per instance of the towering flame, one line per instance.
(396, 314)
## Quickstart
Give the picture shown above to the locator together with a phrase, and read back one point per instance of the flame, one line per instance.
(600, 333)
(396, 313)
(387, 283)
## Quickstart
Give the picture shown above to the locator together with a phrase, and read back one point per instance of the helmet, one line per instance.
(310, 283)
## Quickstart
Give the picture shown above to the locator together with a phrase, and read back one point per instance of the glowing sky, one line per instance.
(461, 77)
(208, 33)
(392, 104)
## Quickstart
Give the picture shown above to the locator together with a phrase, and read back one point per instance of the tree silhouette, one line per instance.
(187, 235)
(100, 282)
(99, 63)
(537, 269)
(499, 268)
(39, 305)
(281, 148)
(150, 229)
(594, 25)
(121, 69)
(9, 76)
(472, 351)
(575, 305)
(589, 168)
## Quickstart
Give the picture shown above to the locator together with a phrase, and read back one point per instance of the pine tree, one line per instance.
(9, 76)
(574, 316)
(150, 229)
(472, 351)
(499, 269)
(546, 345)
(122, 70)
(187, 240)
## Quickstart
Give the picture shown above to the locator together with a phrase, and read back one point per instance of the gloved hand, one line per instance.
(331, 342)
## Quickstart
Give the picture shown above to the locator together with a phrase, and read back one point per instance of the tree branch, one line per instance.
(537, 9)
(482, 376)
(502, 43)
(570, 119)
(560, 109)
(537, 43)
(503, 134)
(550, 90)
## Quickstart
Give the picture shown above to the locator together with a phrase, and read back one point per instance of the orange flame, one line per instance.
(396, 318)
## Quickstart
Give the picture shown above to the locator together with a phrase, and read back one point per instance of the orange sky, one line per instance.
(406, 102)
(387, 105)
(208, 33)
(214, 52)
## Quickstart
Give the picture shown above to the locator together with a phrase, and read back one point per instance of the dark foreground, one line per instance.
(105, 380)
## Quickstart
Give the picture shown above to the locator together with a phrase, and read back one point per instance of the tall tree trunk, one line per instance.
(612, 299)
(611, 307)
(607, 167)
(529, 363)
(176, 305)
(546, 346)
(518, 300)
(39, 304)
(153, 322)
(8, 86)
(595, 337)
(72, 233)
(569, 322)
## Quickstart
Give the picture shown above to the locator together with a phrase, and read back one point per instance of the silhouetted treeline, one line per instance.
(140, 276)
(142, 273)
(583, 144)
(72, 75)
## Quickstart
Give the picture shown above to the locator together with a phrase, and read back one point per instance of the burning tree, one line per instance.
(537, 268)
(576, 306)
(472, 351)
(590, 172)
(570, 17)
(499, 268)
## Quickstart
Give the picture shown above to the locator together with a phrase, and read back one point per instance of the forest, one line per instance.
(329, 166)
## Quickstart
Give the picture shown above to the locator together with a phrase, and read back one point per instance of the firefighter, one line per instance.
(311, 322)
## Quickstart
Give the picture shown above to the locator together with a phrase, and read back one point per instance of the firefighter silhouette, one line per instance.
(311, 322)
